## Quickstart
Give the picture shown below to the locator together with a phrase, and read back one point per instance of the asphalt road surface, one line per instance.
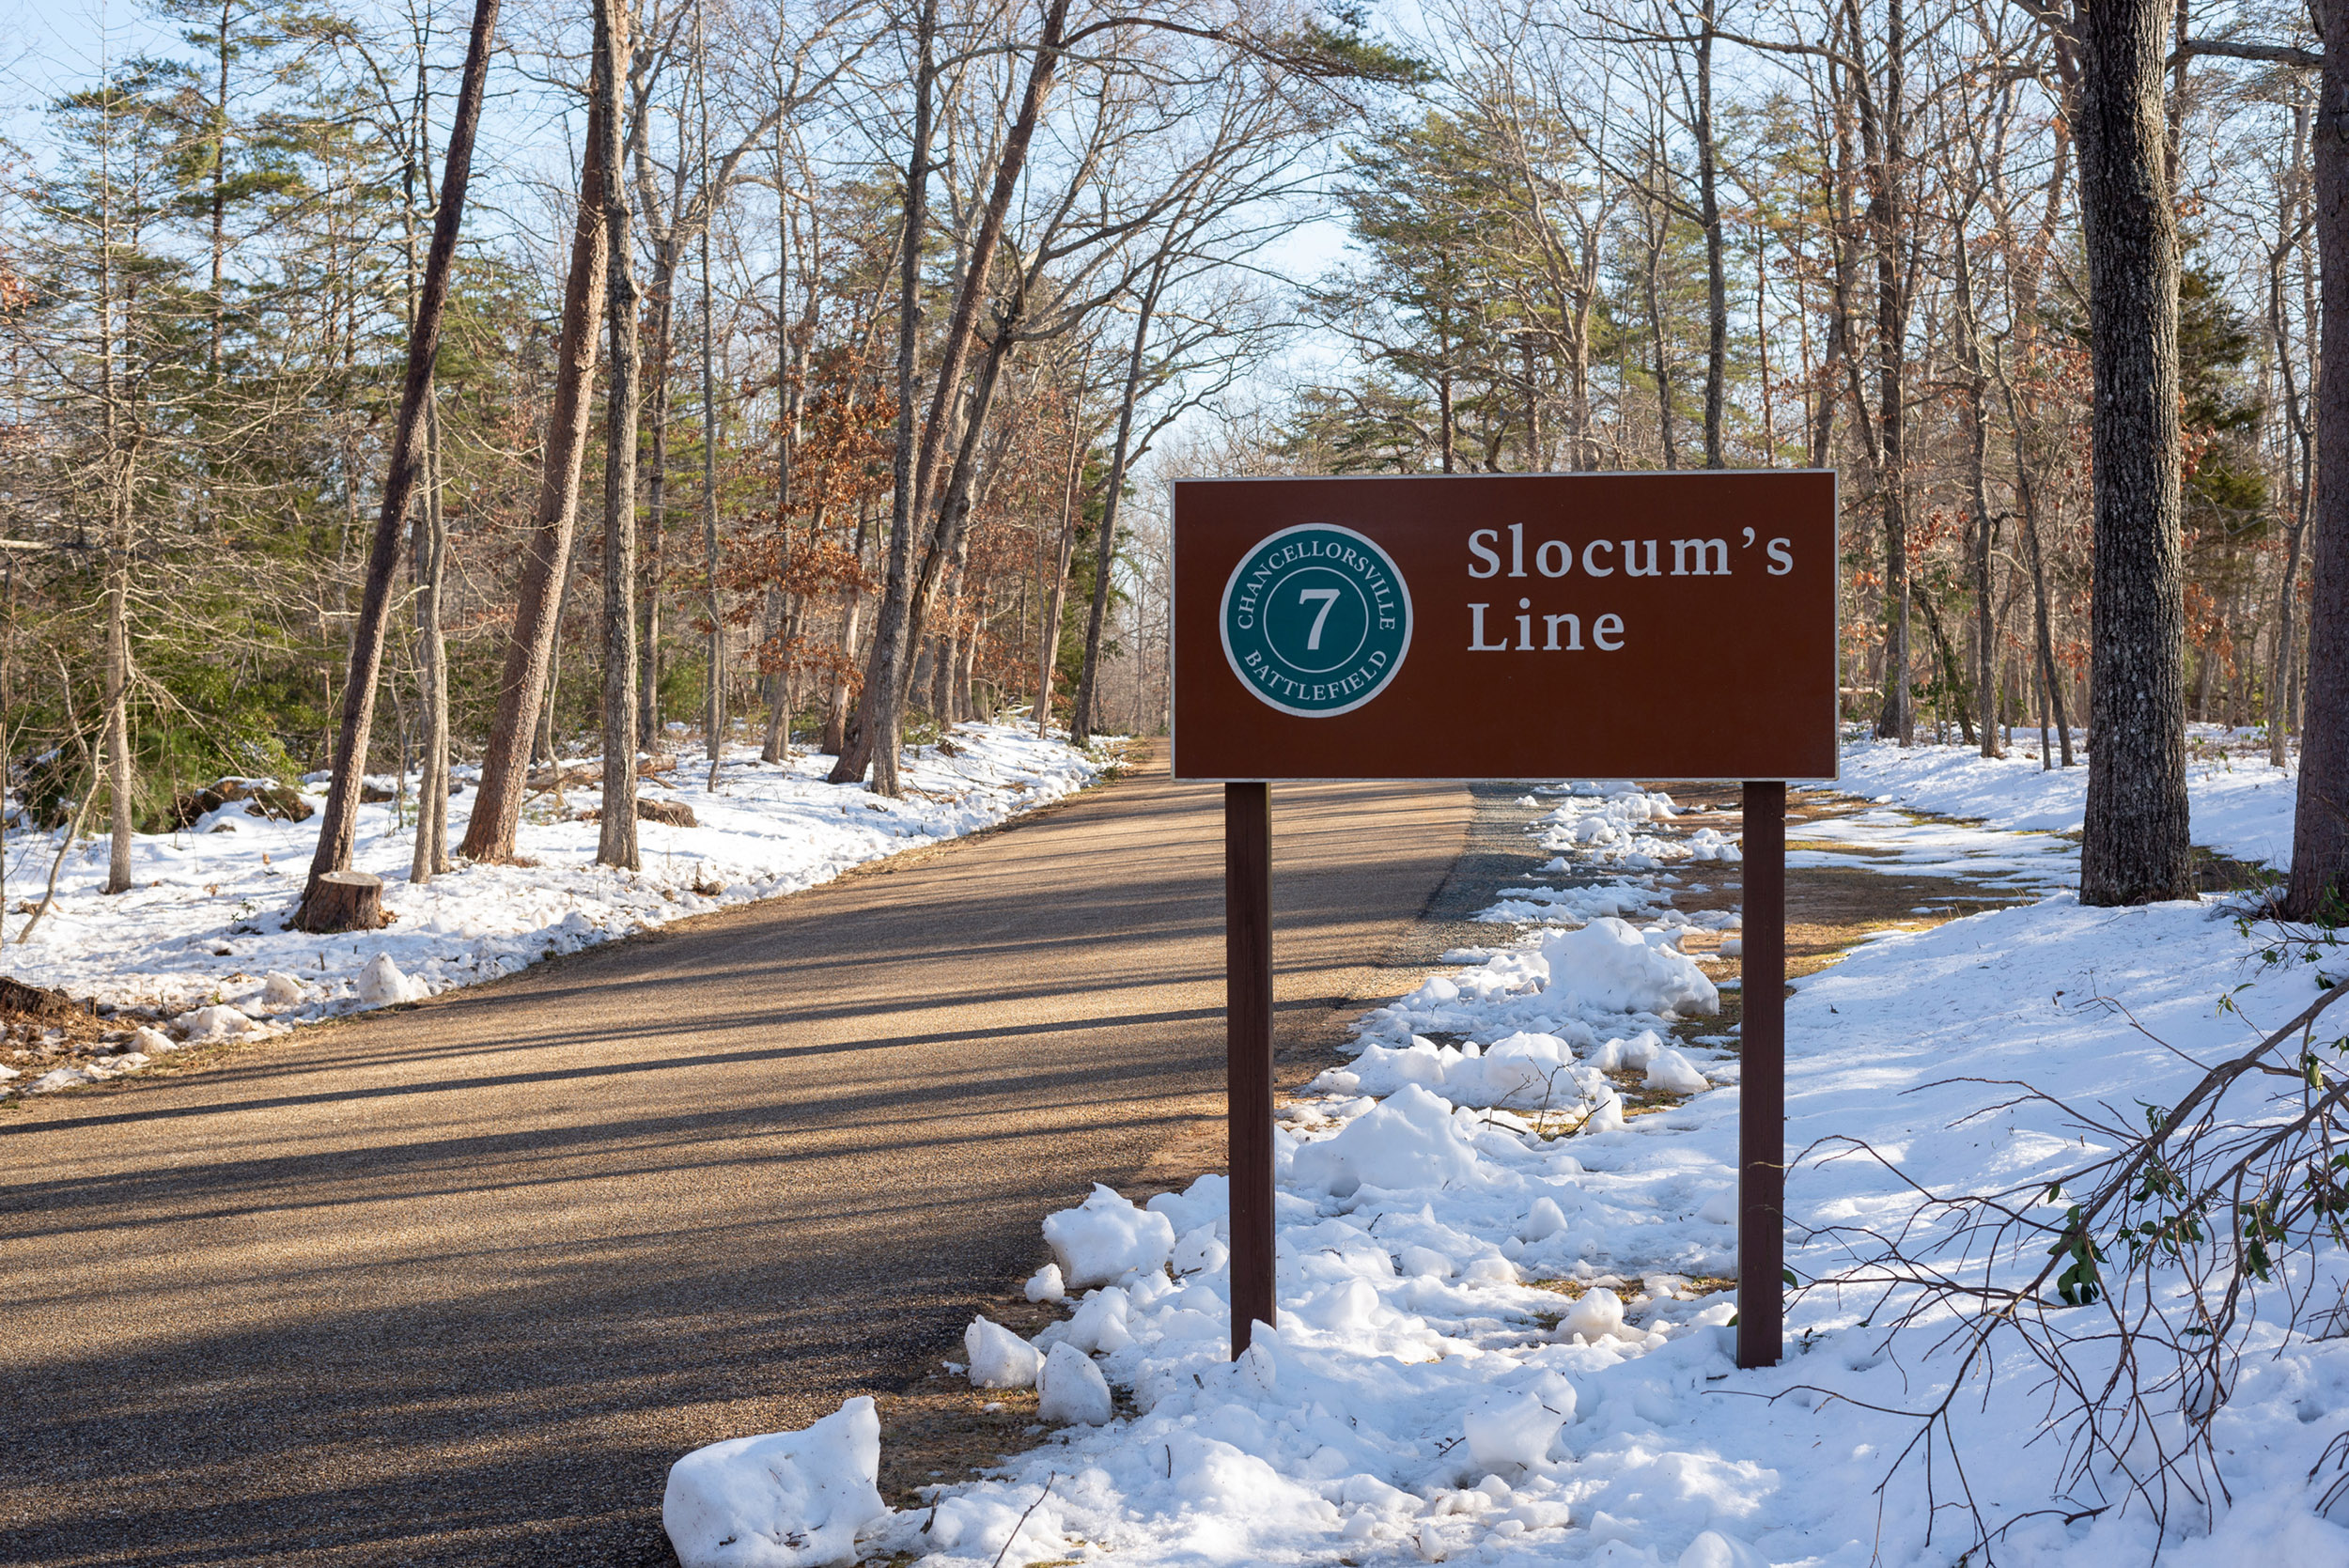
(456, 1284)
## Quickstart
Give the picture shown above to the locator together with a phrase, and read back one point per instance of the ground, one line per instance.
(1506, 1252)
(1507, 1166)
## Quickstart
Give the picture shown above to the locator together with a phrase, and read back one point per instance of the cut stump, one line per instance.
(343, 901)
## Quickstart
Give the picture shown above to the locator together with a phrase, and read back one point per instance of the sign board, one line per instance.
(1650, 626)
(1506, 625)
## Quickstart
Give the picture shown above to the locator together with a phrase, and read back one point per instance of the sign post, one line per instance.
(1675, 626)
(1248, 971)
(1762, 1082)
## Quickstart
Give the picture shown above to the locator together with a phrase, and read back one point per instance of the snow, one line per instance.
(1071, 1390)
(382, 984)
(998, 1357)
(2240, 806)
(1504, 1315)
(1610, 966)
(204, 925)
(1675, 1074)
(1099, 1324)
(1105, 1238)
(1406, 1141)
(1515, 1431)
(1596, 1314)
(211, 1023)
(781, 1500)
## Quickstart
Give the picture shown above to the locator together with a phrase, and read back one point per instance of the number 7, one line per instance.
(1328, 598)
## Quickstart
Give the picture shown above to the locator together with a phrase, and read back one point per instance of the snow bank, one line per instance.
(1503, 1336)
(779, 1500)
(2240, 806)
(204, 924)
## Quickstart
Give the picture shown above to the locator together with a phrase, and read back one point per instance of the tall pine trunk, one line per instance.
(615, 842)
(2135, 847)
(1885, 133)
(2320, 835)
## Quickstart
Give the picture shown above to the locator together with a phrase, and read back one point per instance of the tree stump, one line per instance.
(343, 901)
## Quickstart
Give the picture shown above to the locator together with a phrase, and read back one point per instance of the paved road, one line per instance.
(455, 1285)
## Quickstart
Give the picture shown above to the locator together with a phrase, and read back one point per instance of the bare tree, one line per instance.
(339, 820)
(523, 686)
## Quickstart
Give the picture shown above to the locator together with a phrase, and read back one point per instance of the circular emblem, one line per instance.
(1315, 620)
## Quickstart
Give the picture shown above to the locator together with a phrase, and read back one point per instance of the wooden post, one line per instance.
(1248, 1035)
(1762, 1083)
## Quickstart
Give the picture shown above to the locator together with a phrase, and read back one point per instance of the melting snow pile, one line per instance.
(201, 939)
(780, 1501)
(1503, 1331)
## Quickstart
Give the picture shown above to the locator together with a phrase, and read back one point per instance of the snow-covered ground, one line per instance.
(1506, 1227)
(2242, 807)
(204, 924)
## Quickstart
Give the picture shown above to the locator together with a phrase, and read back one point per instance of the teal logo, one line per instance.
(1316, 620)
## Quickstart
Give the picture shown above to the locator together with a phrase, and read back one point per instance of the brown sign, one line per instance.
(1506, 625)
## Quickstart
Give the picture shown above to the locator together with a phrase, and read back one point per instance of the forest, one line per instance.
(522, 381)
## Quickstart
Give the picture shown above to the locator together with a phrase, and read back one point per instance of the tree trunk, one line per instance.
(430, 854)
(2297, 454)
(339, 823)
(616, 839)
(2135, 847)
(1884, 144)
(884, 683)
(1715, 266)
(1978, 477)
(649, 717)
(714, 709)
(554, 703)
(778, 630)
(118, 776)
(2287, 646)
(121, 460)
(538, 598)
(1843, 273)
(1049, 647)
(965, 686)
(949, 533)
(1653, 238)
(1952, 681)
(1105, 546)
(856, 749)
(947, 652)
(2051, 683)
(2320, 835)
(840, 707)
